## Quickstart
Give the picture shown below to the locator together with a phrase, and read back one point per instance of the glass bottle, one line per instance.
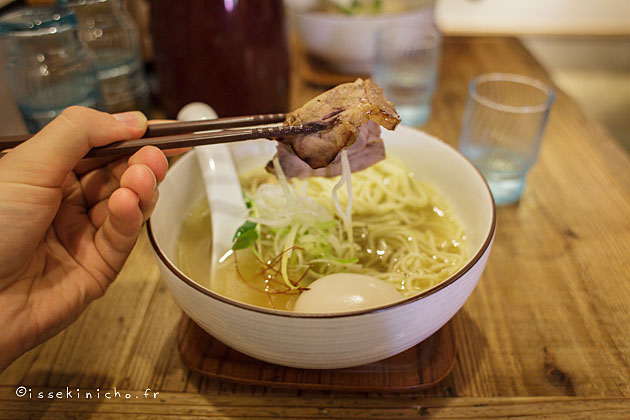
(113, 36)
(47, 65)
(230, 54)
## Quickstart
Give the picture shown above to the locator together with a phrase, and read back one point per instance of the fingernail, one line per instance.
(134, 119)
(155, 183)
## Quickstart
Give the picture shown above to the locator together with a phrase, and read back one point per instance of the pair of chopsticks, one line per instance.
(181, 134)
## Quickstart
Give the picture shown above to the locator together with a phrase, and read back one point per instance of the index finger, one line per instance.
(89, 164)
(47, 157)
(170, 152)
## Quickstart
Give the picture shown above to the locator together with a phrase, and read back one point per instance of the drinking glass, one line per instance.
(406, 68)
(502, 129)
(48, 67)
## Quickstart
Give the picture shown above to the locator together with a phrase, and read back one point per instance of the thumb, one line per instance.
(47, 157)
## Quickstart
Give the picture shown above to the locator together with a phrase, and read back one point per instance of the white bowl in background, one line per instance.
(347, 43)
(324, 341)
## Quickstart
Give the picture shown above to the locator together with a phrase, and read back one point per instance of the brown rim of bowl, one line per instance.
(484, 247)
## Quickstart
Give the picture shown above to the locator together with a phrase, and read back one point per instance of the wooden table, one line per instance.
(546, 334)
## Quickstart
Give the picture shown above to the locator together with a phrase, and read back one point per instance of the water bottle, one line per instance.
(47, 65)
(113, 36)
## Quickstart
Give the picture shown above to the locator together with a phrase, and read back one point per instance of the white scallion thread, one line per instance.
(344, 215)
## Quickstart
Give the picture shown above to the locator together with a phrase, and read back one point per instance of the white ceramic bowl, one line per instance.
(331, 340)
(348, 43)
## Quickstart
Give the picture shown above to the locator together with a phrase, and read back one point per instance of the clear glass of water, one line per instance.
(502, 128)
(406, 68)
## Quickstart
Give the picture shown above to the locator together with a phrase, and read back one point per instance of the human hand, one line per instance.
(67, 225)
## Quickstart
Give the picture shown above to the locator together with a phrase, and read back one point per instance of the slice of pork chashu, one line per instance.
(346, 107)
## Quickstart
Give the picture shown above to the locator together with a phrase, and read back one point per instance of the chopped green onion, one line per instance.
(348, 261)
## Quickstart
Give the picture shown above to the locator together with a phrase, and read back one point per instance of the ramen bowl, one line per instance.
(327, 340)
(347, 43)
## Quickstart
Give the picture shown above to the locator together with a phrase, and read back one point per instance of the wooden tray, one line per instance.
(420, 367)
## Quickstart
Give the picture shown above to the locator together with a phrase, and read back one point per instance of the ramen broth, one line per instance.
(193, 253)
(243, 278)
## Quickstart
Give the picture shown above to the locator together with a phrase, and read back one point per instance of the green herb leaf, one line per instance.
(246, 240)
(247, 226)
(245, 236)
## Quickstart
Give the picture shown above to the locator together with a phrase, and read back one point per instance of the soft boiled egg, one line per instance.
(343, 292)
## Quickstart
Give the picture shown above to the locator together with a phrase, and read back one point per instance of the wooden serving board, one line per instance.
(420, 367)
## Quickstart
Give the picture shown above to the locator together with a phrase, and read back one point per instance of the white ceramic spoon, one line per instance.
(223, 190)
